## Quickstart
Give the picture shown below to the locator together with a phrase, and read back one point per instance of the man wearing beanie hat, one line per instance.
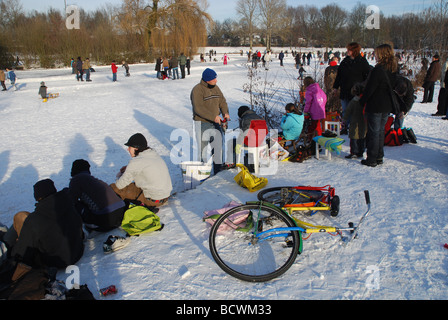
(52, 235)
(98, 205)
(146, 179)
(208, 104)
(43, 189)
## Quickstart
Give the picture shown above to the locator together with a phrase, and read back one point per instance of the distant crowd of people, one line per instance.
(168, 68)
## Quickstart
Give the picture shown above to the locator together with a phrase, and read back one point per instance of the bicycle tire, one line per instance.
(273, 195)
(242, 256)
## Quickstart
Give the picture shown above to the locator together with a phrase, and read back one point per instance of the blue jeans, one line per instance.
(398, 123)
(344, 104)
(375, 136)
(175, 73)
(357, 146)
(114, 77)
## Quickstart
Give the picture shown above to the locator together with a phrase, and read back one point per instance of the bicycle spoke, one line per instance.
(244, 256)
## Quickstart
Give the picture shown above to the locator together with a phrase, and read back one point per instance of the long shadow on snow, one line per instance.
(421, 157)
(116, 157)
(163, 132)
(14, 188)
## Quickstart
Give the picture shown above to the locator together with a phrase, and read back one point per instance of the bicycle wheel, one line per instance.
(242, 254)
(278, 196)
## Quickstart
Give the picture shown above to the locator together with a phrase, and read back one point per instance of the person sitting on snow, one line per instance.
(292, 122)
(146, 179)
(97, 203)
(50, 236)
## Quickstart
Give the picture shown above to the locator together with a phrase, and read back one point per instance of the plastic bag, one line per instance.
(247, 180)
(139, 219)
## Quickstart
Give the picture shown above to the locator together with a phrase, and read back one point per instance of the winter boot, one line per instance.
(404, 133)
(411, 135)
(114, 243)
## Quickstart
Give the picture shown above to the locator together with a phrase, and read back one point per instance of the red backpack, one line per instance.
(392, 137)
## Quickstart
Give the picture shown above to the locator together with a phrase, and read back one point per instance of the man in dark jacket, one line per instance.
(52, 235)
(405, 91)
(442, 106)
(353, 69)
(79, 69)
(281, 56)
(97, 203)
(432, 75)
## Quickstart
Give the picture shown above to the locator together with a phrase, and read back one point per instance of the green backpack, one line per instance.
(139, 219)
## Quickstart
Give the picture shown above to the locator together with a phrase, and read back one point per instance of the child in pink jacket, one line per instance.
(315, 101)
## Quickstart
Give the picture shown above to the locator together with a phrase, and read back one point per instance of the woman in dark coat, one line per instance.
(378, 102)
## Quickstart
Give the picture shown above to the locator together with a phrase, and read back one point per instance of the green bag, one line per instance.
(139, 219)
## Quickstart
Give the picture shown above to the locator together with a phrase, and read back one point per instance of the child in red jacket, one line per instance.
(114, 71)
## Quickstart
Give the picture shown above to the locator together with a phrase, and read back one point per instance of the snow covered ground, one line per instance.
(399, 253)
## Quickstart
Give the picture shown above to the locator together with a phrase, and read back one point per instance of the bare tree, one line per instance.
(356, 23)
(288, 26)
(437, 28)
(311, 20)
(178, 26)
(271, 12)
(247, 10)
(332, 19)
(10, 12)
(132, 17)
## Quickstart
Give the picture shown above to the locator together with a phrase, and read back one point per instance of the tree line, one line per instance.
(273, 23)
(135, 31)
(142, 30)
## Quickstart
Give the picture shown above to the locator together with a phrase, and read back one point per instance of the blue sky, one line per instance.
(223, 9)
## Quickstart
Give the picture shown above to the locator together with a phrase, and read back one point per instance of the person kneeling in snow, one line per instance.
(146, 179)
(97, 203)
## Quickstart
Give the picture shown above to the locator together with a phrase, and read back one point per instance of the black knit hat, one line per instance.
(79, 166)
(137, 141)
(43, 189)
(241, 110)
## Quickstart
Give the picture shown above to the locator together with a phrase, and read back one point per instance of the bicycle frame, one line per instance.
(241, 255)
(308, 228)
(314, 205)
